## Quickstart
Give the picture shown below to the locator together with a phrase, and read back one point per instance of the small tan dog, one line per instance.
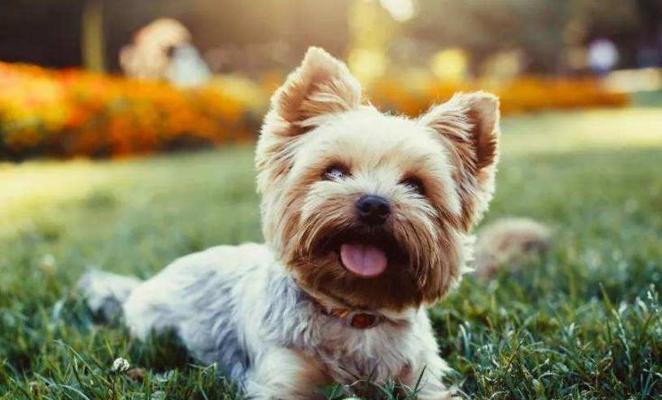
(367, 220)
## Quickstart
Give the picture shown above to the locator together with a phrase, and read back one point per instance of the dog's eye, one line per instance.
(335, 172)
(414, 184)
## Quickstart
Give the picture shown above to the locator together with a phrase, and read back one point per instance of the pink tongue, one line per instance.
(363, 260)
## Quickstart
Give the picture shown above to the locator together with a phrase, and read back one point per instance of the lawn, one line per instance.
(583, 323)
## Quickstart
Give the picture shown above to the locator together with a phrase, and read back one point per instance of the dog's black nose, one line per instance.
(373, 210)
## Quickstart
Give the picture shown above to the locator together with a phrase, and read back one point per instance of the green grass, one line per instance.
(584, 323)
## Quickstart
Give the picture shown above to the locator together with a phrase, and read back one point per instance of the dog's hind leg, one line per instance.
(106, 292)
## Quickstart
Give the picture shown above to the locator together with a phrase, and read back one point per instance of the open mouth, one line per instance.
(363, 259)
(365, 253)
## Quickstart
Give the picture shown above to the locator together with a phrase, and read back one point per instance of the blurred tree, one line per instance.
(485, 27)
(371, 31)
(44, 32)
(542, 29)
(282, 29)
(239, 35)
(93, 44)
(615, 20)
(258, 34)
(649, 53)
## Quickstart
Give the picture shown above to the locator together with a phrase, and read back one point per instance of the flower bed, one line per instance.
(525, 94)
(70, 113)
(75, 113)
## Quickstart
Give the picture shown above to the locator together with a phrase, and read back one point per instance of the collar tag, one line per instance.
(362, 320)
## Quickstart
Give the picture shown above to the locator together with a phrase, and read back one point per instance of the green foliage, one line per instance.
(585, 322)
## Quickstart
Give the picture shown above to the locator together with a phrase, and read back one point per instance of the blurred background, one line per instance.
(127, 131)
(105, 78)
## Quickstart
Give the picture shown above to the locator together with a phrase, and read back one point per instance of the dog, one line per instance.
(367, 221)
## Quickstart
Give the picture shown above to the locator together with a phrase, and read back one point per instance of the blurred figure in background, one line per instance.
(602, 56)
(163, 50)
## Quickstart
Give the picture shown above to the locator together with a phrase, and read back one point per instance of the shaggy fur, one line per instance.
(271, 315)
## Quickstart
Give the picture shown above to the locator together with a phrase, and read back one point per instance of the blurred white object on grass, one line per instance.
(120, 365)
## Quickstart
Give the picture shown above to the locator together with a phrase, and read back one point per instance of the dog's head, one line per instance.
(367, 208)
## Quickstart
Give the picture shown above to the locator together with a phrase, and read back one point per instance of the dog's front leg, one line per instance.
(283, 374)
(434, 389)
(427, 374)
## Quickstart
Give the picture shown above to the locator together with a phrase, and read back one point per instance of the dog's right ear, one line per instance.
(321, 85)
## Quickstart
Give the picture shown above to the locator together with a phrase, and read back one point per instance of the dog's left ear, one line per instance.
(469, 125)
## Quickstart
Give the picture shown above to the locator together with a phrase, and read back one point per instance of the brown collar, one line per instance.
(354, 318)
